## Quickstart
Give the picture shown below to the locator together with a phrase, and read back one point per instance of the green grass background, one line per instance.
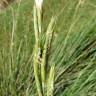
(73, 50)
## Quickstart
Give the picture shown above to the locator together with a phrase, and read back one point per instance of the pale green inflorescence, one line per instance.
(39, 3)
(44, 85)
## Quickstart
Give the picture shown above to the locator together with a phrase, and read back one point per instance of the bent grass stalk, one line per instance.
(40, 73)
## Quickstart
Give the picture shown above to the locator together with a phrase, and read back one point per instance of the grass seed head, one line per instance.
(39, 3)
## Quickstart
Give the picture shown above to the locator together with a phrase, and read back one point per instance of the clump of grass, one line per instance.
(58, 61)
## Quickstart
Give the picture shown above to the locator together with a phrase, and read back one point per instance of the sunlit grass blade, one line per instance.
(50, 82)
(47, 45)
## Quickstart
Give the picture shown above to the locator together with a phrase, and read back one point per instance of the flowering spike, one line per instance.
(39, 3)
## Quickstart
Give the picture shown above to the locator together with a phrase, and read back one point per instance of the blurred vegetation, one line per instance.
(73, 48)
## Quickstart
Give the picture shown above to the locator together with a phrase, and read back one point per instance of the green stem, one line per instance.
(39, 14)
(36, 25)
(36, 55)
(36, 71)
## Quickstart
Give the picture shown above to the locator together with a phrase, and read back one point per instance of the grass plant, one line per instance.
(48, 49)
